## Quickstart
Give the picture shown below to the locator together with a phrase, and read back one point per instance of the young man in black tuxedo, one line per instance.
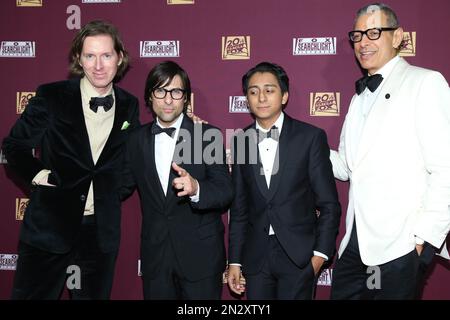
(73, 217)
(285, 216)
(184, 189)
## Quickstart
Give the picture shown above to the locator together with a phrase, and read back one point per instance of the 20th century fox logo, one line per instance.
(22, 100)
(235, 47)
(21, 206)
(324, 104)
(29, 3)
(408, 44)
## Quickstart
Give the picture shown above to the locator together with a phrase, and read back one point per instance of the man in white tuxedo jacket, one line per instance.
(395, 150)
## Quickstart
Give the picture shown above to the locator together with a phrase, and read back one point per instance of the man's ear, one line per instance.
(285, 98)
(397, 38)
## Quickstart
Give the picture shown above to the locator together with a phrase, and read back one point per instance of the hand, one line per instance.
(419, 248)
(225, 278)
(194, 118)
(236, 281)
(184, 182)
(317, 263)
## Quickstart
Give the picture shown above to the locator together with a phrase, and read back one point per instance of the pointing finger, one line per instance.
(181, 172)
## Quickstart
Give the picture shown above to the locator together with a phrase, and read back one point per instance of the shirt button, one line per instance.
(83, 197)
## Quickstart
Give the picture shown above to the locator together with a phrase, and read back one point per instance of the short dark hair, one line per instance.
(276, 70)
(162, 74)
(392, 19)
(95, 28)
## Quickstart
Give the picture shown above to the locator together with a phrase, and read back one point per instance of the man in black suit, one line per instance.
(73, 217)
(182, 248)
(285, 216)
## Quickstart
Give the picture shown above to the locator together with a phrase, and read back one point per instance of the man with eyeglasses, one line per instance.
(394, 149)
(183, 191)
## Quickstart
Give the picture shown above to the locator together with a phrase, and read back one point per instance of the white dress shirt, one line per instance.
(164, 150)
(98, 125)
(267, 149)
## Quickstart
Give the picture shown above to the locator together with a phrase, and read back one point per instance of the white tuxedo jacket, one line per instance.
(400, 174)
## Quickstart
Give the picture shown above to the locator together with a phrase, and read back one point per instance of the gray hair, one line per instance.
(392, 19)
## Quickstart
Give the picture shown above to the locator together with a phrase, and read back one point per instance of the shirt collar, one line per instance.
(278, 124)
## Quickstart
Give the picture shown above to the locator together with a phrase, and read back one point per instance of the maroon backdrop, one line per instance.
(262, 30)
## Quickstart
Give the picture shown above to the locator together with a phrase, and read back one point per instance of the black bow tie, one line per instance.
(371, 82)
(272, 133)
(105, 102)
(157, 130)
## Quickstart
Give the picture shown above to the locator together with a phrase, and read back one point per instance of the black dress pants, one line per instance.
(280, 278)
(170, 283)
(395, 280)
(42, 275)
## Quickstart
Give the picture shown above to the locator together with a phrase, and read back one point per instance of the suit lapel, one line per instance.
(120, 115)
(349, 123)
(281, 156)
(151, 172)
(379, 110)
(74, 107)
(258, 170)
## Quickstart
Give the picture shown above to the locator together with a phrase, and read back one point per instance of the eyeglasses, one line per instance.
(372, 34)
(176, 93)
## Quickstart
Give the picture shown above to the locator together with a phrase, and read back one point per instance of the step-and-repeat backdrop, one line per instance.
(216, 42)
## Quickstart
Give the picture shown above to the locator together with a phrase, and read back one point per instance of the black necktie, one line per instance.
(272, 133)
(157, 130)
(371, 82)
(105, 102)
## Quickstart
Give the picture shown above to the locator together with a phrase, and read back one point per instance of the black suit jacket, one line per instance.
(303, 183)
(195, 230)
(54, 122)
